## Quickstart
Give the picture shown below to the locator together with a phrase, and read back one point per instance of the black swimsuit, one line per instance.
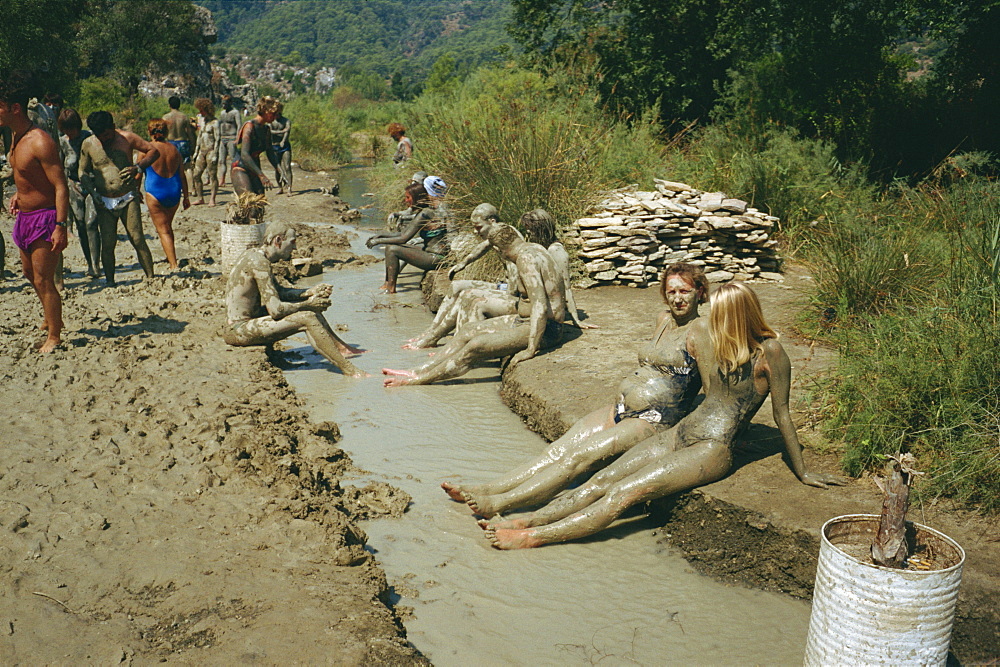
(668, 396)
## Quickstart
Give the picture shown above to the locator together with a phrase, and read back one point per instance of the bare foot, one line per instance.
(212, 203)
(361, 374)
(350, 350)
(406, 374)
(499, 522)
(395, 381)
(51, 343)
(454, 491)
(481, 505)
(200, 202)
(502, 538)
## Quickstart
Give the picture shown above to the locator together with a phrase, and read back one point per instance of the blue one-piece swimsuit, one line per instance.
(167, 191)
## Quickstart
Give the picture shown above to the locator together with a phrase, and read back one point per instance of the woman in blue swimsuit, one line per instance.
(166, 187)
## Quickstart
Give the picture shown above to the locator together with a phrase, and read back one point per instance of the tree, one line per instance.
(124, 39)
(38, 35)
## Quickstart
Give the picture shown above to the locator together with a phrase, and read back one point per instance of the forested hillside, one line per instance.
(385, 37)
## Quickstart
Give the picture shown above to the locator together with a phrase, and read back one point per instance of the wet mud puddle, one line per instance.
(619, 598)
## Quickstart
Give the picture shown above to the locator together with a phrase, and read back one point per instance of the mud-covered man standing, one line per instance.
(106, 168)
(41, 204)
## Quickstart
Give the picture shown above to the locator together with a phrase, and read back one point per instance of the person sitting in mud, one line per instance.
(650, 400)
(254, 139)
(537, 324)
(261, 312)
(206, 153)
(106, 168)
(740, 362)
(399, 219)
(477, 300)
(432, 232)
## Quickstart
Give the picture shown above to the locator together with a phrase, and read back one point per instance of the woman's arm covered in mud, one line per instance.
(404, 236)
(476, 253)
(779, 371)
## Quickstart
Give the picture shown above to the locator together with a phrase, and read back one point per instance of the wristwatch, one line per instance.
(60, 224)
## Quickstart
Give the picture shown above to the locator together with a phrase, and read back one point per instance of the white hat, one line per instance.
(435, 186)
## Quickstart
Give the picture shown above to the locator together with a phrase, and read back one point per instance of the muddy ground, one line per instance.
(164, 496)
(759, 526)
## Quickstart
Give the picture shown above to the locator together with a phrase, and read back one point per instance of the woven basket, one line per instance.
(236, 239)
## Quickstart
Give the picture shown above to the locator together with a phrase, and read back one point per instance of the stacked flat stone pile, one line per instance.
(631, 235)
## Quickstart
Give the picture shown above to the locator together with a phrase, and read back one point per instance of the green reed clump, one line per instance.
(920, 341)
(507, 136)
(320, 135)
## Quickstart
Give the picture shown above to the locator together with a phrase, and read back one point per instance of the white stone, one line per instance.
(598, 265)
(671, 185)
(592, 244)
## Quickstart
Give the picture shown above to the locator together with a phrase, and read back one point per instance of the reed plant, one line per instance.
(920, 366)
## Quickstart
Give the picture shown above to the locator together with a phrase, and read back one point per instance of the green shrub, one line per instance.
(920, 366)
(320, 137)
(798, 180)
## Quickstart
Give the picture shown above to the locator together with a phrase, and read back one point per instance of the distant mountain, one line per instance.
(376, 36)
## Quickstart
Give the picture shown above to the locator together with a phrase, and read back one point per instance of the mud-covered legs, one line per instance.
(595, 505)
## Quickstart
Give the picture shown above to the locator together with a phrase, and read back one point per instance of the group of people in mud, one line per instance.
(652, 438)
(93, 178)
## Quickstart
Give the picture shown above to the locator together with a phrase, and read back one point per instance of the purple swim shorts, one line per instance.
(33, 226)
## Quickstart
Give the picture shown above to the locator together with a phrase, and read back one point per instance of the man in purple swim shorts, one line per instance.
(33, 226)
(41, 203)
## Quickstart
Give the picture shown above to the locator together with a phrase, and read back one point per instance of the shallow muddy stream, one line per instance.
(618, 598)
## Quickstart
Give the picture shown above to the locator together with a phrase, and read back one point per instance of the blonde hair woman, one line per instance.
(740, 361)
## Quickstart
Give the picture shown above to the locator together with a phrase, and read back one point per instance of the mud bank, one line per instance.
(164, 496)
(759, 526)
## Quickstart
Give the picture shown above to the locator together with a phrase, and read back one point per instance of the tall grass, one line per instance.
(920, 367)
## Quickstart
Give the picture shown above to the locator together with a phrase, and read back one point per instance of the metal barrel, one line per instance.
(865, 614)
(236, 239)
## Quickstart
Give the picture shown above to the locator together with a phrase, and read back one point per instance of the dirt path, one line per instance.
(759, 526)
(163, 496)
